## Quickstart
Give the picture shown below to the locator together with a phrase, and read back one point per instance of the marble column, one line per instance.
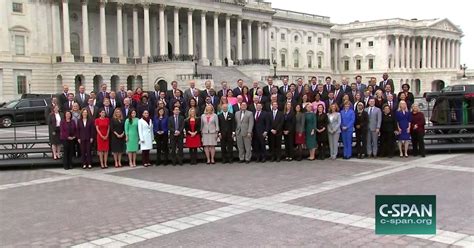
(66, 29)
(125, 36)
(103, 31)
(136, 42)
(429, 53)
(413, 53)
(146, 31)
(190, 32)
(444, 56)
(458, 53)
(249, 38)
(448, 53)
(403, 53)
(85, 29)
(217, 61)
(269, 47)
(397, 52)
(227, 40)
(336, 55)
(204, 59)
(259, 40)
(418, 53)
(438, 53)
(452, 58)
(161, 14)
(119, 30)
(176, 50)
(56, 32)
(239, 38)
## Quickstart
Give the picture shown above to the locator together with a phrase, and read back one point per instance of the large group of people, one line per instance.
(308, 119)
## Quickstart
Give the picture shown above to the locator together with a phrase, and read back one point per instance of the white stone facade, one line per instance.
(126, 41)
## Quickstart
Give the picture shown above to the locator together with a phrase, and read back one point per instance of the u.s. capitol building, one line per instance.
(47, 43)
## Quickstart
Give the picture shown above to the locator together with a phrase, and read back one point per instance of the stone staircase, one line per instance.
(222, 73)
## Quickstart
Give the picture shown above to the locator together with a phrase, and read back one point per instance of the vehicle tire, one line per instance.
(6, 121)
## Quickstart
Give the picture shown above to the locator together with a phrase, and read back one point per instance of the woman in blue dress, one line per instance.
(403, 117)
(347, 127)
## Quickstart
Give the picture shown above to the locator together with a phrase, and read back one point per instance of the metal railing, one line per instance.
(114, 60)
(79, 59)
(173, 58)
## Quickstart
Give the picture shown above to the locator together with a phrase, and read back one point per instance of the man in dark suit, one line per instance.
(331, 100)
(237, 91)
(92, 110)
(284, 88)
(299, 90)
(223, 91)
(267, 89)
(176, 128)
(236, 107)
(338, 93)
(213, 99)
(121, 94)
(153, 96)
(328, 87)
(323, 94)
(63, 96)
(254, 89)
(226, 134)
(177, 98)
(314, 85)
(109, 111)
(81, 97)
(359, 85)
(276, 130)
(126, 107)
(392, 103)
(261, 128)
(386, 81)
(289, 99)
(114, 102)
(172, 93)
(345, 87)
(207, 89)
(373, 83)
(102, 95)
(68, 104)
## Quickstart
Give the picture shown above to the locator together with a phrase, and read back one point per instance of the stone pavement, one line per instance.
(297, 204)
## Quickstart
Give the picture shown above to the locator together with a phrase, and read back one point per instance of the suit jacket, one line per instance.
(328, 103)
(253, 92)
(110, 114)
(331, 88)
(170, 94)
(82, 103)
(226, 126)
(180, 125)
(100, 98)
(267, 90)
(375, 118)
(339, 95)
(94, 113)
(347, 88)
(389, 82)
(153, 97)
(262, 124)
(236, 107)
(209, 127)
(361, 88)
(236, 91)
(62, 100)
(243, 126)
(188, 94)
(222, 92)
(87, 132)
(277, 122)
(118, 104)
(67, 129)
(289, 122)
(121, 97)
(66, 106)
(282, 91)
(126, 111)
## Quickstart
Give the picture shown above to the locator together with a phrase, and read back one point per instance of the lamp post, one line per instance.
(195, 68)
(274, 68)
(463, 68)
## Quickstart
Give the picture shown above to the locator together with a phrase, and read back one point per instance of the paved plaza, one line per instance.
(287, 204)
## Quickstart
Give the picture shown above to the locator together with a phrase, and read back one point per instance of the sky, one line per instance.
(345, 11)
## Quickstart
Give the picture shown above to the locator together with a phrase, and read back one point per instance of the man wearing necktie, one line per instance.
(244, 122)
(176, 128)
(375, 120)
(261, 128)
(226, 134)
(70, 101)
(276, 132)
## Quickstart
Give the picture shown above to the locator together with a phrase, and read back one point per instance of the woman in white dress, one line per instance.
(209, 131)
(145, 133)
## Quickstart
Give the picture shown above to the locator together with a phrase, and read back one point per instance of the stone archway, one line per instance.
(79, 80)
(437, 85)
(131, 83)
(139, 81)
(162, 84)
(114, 83)
(417, 88)
(97, 82)
(59, 84)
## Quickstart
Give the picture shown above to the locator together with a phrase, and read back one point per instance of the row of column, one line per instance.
(415, 52)
(262, 38)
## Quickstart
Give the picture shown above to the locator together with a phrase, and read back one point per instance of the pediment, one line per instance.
(445, 25)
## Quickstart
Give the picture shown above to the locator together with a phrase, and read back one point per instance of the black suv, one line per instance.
(30, 110)
(454, 91)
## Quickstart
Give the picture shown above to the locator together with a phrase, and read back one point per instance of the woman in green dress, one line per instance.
(310, 130)
(131, 133)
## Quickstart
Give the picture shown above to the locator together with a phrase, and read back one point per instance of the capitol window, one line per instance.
(296, 38)
(271, 35)
(310, 39)
(358, 64)
(346, 65)
(282, 37)
(310, 61)
(17, 7)
(320, 40)
(21, 84)
(283, 60)
(371, 64)
(320, 62)
(371, 43)
(358, 44)
(19, 45)
(346, 45)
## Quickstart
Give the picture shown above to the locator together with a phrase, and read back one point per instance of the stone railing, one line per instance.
(173, 58)
(300, 16)
(114, 60)
(193, 76)
(252, 62)
(96, 59)
(79, 59)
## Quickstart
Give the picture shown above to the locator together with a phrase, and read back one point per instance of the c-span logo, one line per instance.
(405, 214)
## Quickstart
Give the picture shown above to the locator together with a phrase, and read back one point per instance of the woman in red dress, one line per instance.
(192, 125)
(102, 126)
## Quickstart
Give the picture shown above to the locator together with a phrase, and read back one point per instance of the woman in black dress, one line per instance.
(387, 132)
(117, 142)
(361, 125)
(321, 131)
